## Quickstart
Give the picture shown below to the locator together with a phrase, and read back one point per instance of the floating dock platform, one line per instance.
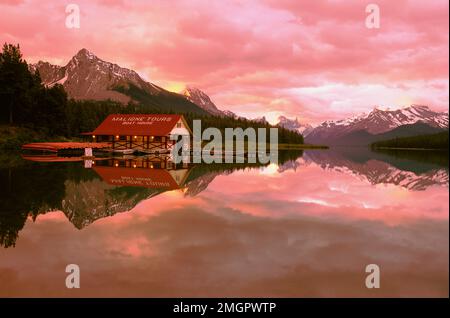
(62, 146)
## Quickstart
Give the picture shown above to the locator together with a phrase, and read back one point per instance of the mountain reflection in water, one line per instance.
(40, 185)
(312, 211)
(117, 185)
(414, 170)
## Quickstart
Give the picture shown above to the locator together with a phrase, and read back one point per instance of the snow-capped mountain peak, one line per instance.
(379, 121)
(86, 76)
(347, 121)
(86, 53)
(200, 98)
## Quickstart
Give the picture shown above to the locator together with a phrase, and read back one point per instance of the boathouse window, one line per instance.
(178, 125)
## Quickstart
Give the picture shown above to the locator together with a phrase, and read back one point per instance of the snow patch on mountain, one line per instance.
(88, 77)
(202, 100)
(379, 121)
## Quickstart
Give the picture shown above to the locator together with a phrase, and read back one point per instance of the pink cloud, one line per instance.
(250, 55)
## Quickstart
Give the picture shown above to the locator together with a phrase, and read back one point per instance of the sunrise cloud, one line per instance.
(315, 60)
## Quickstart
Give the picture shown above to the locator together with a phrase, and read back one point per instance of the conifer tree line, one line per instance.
(26, 102)
(429, 141)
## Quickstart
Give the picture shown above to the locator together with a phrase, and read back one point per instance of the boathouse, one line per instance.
(150, 133)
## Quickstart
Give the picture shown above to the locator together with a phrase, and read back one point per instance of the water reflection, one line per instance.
(414, 170)
(304, 227)
(41, 184)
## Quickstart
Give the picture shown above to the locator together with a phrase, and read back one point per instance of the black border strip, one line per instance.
(166, 306)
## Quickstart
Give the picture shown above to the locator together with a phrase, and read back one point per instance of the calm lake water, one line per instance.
(304, 228)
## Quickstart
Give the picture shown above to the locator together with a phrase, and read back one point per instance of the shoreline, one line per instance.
(301, 147)
(413, 149)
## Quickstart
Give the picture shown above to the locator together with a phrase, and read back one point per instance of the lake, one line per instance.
(306, 227)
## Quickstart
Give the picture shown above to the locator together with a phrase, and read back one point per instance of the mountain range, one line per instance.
(87, 77)
(379, 125)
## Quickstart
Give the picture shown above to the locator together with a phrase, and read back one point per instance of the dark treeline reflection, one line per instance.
(428, 159)
(29, 188)
(417, 161)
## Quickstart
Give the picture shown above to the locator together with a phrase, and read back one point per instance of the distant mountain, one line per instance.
(88, 77)
(200, 98)
(376, 122)
(295, 125)
(362, 137)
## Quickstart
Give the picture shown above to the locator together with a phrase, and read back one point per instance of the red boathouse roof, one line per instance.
(138, 124)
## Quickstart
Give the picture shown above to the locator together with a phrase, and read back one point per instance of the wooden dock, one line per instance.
(58, 146)
(51, 158)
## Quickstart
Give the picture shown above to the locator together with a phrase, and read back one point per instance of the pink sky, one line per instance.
(312, 59)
